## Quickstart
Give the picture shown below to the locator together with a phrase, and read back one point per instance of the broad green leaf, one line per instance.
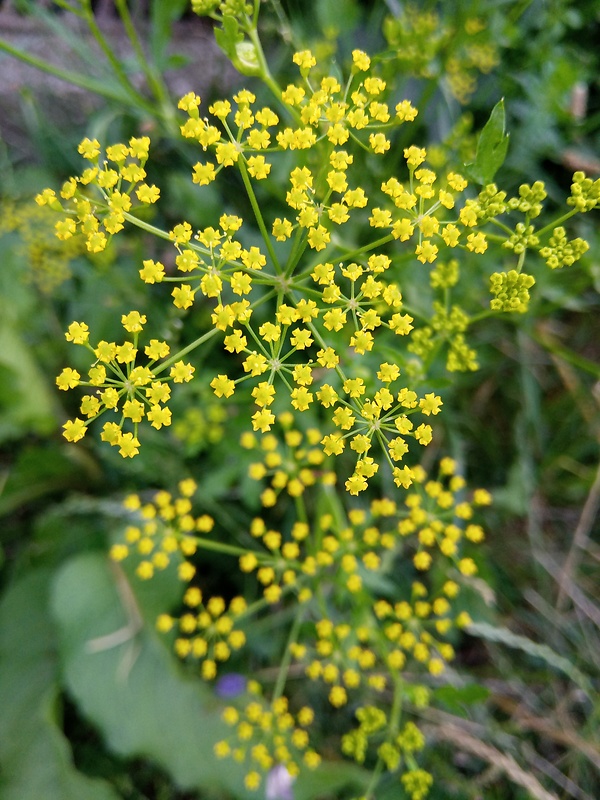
(35, 755)
(25, 400)
(229, 36)
(126, 682)
(491, 148)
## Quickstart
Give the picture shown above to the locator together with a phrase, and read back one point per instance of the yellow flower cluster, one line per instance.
(97, 201)
(319, 201)
(310, 561)
(312, 555)
(585, 193)
(206, 630)
(510, 291)
(562, 252)
(428, 46)
(342, 659)
(292, 462)
(266, 734)
(279, 566)
(314, 322)
(120, 385)
(433, 526)
(45, 258)
(373, 727)
(434, 510)
(331, 352)
(417, 783)
(163, 531)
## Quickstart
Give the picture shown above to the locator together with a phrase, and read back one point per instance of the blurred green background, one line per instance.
(523, 711)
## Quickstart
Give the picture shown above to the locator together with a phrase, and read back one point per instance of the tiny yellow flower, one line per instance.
(304, 59)
(133, 322)
(68, 379)
(361, 60)
(74, 430)
(182, 372)
(78, 333)
(89, 148)
(222, 386)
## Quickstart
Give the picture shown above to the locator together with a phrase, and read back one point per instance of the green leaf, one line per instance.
(491, 148)
(228, 36)
(162, 16)
(41, 470)
(127, 684)
(25, 400)
(541, 651)
(35, 755)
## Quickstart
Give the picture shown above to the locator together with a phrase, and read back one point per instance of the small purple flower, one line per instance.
(230, 685)
(279, 784)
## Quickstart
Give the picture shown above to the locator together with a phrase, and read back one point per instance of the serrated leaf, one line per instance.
(492, 147)
(35, 755)
(228, 36)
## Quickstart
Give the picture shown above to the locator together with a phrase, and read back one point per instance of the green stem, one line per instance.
(257, 605)
(218, 547)
(482, 315)
(556, 222)
(301, 509)
(368, 247)
(396, 707)
(298, 248)
(145, 226)
(287, 656)
(68, 7)
(196, 343)
(501, 225)
(393, 726)
(379, 767)
(258, 215)
(265, 73)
